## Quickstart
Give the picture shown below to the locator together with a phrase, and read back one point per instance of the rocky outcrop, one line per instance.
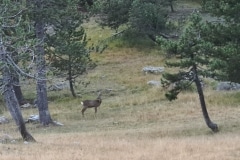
(153, 70)
(35, 119)
(227, 86)
(58, 86)
(154, 83)
(3, 120)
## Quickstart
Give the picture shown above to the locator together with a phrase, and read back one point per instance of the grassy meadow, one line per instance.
(134, 122)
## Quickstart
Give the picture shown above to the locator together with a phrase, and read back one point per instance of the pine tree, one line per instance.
(147, 17)
(12, 41)
(224, 35)
(113, 13)
(45, 13)
(193, 64)
(68, 47)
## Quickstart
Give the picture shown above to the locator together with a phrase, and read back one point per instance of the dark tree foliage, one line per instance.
(224, 34)
(83, 5)
(12, 45)
(145, 16)
(85, 2)
(171, 4)
(70, 55)
(193, 52)
(67, 46)
(114, 13)
(148, 17)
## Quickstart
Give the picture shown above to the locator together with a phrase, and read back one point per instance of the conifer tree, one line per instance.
(68, 49)
(43, 14)
(193, 64)
(12, 40)
(224, 35)
(147, 17)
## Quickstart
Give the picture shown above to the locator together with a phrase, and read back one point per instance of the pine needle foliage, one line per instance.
(224, 35)
(192, 64)
(67, 45)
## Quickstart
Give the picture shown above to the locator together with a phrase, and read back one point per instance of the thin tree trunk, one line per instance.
(72, 88)
(207, 119)
(42, 101)
(171, 6)
(71, 81)
(11, 100)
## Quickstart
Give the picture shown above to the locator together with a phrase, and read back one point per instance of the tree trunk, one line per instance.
(11, 100)
(42, 101)
(171, 6)
(14, 109)
(72, 88)
(208, 121)
(71, 81)
(18, 91)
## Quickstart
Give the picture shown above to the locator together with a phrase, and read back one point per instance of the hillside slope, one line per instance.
(134, 121)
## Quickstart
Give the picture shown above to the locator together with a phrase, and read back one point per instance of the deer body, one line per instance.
(91, 104)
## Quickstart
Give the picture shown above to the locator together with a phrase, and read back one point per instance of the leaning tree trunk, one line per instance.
(42, 101)
(208, 121)
(16, 85)
(14, 108)
(18, 90)
(11, 100)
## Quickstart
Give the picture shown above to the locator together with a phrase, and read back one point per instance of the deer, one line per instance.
(91, 104)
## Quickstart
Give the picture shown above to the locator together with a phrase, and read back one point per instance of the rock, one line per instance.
(227, 86)
(27, 105)
(50, 30)
(154, 83)
(33, 119)
(57, 123)
(58, 86)
(3, 120)
(153, 70)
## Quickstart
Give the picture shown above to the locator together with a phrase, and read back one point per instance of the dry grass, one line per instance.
(154, 130)
(134, 122)
(118, 145)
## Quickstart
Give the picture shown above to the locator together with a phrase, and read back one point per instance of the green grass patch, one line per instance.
(225, 98)
(133, 39)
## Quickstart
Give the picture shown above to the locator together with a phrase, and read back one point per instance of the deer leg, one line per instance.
(83, 110)
(95, 110)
